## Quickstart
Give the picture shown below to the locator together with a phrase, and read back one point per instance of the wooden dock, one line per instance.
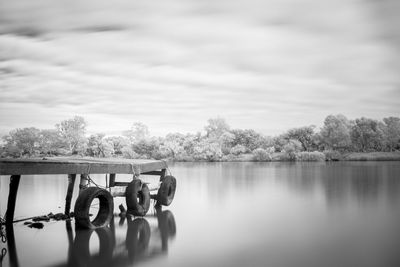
(72, 167)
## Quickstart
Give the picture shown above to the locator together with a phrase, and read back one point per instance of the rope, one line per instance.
(3, 230)
(135, 175)
(168, 170)
(90, 180)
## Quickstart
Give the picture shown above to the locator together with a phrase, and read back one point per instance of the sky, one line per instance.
(269, 65)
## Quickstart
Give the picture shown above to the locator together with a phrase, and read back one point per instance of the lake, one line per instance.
(227, 214)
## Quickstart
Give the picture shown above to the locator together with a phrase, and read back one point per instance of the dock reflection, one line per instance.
(136, 247)
(145, 239)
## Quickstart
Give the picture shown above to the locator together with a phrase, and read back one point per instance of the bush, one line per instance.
(260, 154)
(238, 149)
(310, 156)
(291, 149)
(128, 153)
(332, 155)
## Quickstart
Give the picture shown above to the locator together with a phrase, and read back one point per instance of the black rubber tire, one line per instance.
(82, 206)
(136, 189)
(137, 238)
(166, 192)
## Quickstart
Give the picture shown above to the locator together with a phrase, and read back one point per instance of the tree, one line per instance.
(98, 146)
(335, 133)
(392, 132)
(118, 143)
(50, 142)
(250, 139)
(292, 147)
(138, 132)
(25, 141)
(146, 148)
(304, 135)
(174, 143)
(72, 133)
(216, 127)
(208, 150)
(367, 135)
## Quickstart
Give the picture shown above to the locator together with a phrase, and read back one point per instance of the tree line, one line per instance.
(217, 142)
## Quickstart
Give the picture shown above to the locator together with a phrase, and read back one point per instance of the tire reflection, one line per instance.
(143, 242)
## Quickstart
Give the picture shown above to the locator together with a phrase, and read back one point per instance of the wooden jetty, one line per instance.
(136, 192)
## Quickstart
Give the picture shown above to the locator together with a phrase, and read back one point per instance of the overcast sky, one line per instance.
(264, 64)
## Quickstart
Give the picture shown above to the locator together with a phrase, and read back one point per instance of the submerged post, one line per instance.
(12, 197)
(70, 190)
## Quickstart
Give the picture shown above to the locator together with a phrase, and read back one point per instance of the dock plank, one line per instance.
(78, 166)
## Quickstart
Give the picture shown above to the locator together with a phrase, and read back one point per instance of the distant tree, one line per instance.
(279, 142)
(138, 132)
(226, 141)
(174, 144)
(335, 134)
(260, 154)
(207, 150)
(392, 132)
(249, 139)
(190, 142)
(23, 141)
(367, 135)
(127, 152)
(292, 148)
(50, 142)
(72, 133)
(98, 146)
(238, 149)
(304, 135)
(118, 143)
(146, 148)
(216, 127)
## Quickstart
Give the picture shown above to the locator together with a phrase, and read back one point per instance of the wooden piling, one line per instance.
(12, 197)
(70, 190)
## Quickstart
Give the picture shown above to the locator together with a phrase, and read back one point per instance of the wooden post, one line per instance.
(12, 197)
(70, 190)
(112, 180)
(12, 249)
(83, 182)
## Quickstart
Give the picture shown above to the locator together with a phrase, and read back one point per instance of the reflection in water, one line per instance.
(134, 249)
(136, 245)
(233, 214)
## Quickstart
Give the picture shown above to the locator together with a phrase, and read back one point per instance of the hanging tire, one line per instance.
(166, 192)
(137, 198)
(83, 205)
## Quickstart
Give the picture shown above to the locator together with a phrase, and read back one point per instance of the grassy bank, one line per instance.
(372, 156)
(305, 156)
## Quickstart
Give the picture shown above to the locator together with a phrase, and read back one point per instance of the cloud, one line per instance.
(269, 65)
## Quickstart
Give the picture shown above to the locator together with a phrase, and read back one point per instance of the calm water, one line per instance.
(228, 214)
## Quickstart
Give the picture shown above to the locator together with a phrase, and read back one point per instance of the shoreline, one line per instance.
(278, 157)
(283, 157)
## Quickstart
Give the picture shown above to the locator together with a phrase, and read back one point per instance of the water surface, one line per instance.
(228, 214)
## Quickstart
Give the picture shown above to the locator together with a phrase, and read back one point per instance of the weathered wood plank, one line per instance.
(78, 166)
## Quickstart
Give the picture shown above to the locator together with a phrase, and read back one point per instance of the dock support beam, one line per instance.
(70, 190)
(12, 197)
